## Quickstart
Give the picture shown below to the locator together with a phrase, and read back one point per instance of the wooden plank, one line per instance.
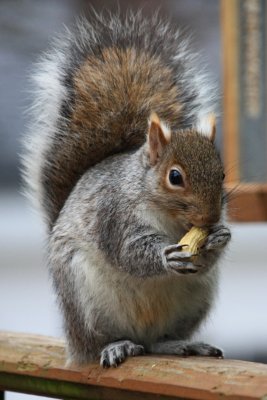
(41, 360)
(247, 202)
(230, 52)
(71, 390)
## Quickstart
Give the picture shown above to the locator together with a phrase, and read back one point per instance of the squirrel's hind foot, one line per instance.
(115, 353)
(185, 349)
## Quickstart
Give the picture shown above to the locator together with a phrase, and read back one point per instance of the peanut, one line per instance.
(194, 239)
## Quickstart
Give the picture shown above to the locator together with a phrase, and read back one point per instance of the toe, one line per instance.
(134, 349)
(104, 359)
(215, 352)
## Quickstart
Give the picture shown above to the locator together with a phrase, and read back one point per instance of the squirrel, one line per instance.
(120, 157)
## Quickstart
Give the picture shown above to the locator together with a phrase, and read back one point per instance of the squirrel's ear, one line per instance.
(159, 135)
(207, 126)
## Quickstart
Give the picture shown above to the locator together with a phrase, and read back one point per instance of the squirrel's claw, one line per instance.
(182, 268)
(174, 248)
(179, 261)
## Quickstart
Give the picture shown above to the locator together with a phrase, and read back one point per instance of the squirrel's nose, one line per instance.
(203, 221)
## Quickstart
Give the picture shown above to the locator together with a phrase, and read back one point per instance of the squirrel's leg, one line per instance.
(115, 353)
(147, 255)
(185, 348)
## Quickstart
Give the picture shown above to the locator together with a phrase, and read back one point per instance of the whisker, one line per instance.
(228, 195)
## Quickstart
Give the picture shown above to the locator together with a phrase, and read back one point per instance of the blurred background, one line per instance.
(238, 322)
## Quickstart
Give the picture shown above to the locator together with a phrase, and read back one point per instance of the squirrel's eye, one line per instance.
(175, 177)
(223, 176)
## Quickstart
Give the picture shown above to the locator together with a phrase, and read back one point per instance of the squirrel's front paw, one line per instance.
(218, 238)
(178, 261)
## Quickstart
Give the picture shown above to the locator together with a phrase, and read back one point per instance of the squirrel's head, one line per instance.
(185, 171)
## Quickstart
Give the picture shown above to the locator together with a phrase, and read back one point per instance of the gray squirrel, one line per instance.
(120, 158)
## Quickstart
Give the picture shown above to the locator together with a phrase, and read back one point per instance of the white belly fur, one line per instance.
(141, 309)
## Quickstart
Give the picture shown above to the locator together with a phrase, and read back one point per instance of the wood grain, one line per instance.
(36, 364)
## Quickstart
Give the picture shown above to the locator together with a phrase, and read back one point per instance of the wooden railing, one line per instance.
(36, 365)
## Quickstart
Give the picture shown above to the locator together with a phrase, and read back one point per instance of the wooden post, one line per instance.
(244, 35)
(229, 22)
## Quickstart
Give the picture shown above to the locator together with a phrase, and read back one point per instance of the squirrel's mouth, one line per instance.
(186, 225)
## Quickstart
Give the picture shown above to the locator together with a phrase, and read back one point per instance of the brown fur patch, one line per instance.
(118, 90)
(114, 95)
(152, 310)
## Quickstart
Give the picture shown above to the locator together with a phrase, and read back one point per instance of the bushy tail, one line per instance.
(94, 91)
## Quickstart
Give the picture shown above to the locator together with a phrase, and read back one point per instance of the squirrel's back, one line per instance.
(94, 92)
